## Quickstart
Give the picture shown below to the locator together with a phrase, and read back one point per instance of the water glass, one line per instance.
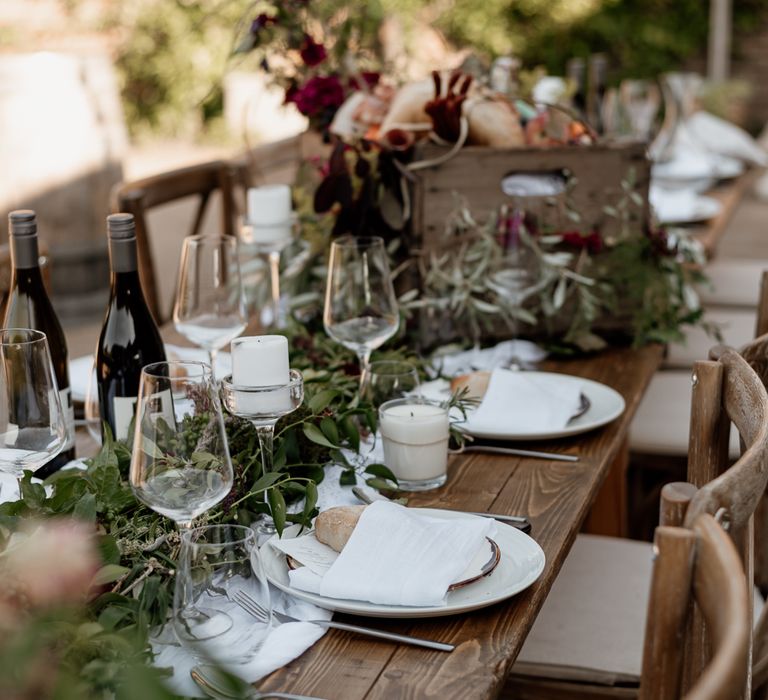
(361, 309)
(216, 563)
(180, 464)
(33, 427)
(388, 379)
(210, 305)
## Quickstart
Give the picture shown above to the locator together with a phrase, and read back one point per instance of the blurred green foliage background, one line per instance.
(174, 53)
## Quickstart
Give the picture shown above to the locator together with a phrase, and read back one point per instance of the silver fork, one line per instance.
(260, 613)
(216, 687)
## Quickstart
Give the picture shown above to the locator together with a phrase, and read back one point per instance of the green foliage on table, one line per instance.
(105, 647)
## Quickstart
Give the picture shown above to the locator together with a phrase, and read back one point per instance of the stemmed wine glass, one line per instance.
(516, 277)
(210, 305)
(180, 464)
(33, 427)
(361, 309)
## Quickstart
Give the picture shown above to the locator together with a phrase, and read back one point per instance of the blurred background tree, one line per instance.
(173, 54)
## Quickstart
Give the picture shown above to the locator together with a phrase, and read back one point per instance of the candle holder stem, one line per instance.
(274, 277)
(266, 433)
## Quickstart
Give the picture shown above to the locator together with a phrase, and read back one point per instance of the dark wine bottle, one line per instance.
(129, 338)
(29, 306)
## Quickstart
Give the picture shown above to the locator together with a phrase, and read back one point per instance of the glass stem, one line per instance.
(184, 526)
(266, 435)
(274, 275)
(212, 353)
(364, 356)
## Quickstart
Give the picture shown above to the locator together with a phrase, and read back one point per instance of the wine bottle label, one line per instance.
(160, 408)
(124, 408)
(65, 396)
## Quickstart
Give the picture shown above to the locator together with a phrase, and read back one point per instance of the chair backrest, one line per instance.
(725, 390)
(698, 563)
(139, 196)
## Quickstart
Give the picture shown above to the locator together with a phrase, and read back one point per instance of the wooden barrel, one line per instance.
(62, 140)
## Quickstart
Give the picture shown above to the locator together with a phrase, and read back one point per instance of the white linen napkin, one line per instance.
(525, 402)
(283, 644)
(500, 355)
(398, 557)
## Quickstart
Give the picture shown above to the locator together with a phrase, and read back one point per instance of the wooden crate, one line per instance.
(476, 173)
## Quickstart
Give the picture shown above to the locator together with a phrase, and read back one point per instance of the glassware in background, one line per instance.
(640, 102)
(264, 406)
(680, 92)
(33, 427)
(91, 412)
(210, 306)
(388, 379)
(515, 278)
(216, 562)
(180, 464)
(361, 309)
(382, 381)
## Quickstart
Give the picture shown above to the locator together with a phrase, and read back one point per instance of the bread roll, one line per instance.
(493, 121)
(334, 526)
(476, 383)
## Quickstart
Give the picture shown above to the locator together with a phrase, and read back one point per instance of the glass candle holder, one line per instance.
(264, 406)
(414, 433)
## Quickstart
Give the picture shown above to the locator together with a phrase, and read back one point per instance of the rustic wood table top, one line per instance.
(556, 496)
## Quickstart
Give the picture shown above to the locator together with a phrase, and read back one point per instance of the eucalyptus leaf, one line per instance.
(277, 509)
(314, 434)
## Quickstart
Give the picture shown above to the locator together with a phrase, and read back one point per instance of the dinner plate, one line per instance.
(605, 405)
(522, 561)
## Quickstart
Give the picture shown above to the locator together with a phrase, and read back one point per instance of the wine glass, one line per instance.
(210, 305)
(384, 380)
(33, 427)
(218, 564)
(91, 408)
(361, 310)
(180, 464)
(516, 277)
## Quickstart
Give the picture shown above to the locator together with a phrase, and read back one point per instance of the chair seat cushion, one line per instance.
(736, 325)
(733, 282)
(662, 421)
(592, 624)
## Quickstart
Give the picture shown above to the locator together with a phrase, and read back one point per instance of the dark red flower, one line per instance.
(262, 21)
(311, 52)
(317, 95)
(369, 80)
(591, 241)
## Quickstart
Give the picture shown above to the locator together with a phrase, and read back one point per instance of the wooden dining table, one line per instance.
(557, 497)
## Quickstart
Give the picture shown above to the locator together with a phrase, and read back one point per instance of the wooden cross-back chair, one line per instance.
(140, 196)
(725, 390)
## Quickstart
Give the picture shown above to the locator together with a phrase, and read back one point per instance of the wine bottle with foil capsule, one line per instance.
(129, 338)
(29, 306)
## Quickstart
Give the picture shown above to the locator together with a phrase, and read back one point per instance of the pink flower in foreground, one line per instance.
(52, 565)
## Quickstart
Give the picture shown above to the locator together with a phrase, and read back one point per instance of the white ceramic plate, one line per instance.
(606, 404)
(522, 561)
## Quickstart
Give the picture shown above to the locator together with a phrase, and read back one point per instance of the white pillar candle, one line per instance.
(415, 438)
(261, 361)
(269, 214)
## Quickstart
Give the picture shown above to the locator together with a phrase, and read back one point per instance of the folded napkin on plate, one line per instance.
(525, 402)
(398, 557)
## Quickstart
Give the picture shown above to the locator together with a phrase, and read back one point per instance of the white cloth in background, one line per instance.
(500, 355)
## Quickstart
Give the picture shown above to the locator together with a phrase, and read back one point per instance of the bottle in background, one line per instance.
(129, 338)
(29, 306)
(575, 71)
(598, 76)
